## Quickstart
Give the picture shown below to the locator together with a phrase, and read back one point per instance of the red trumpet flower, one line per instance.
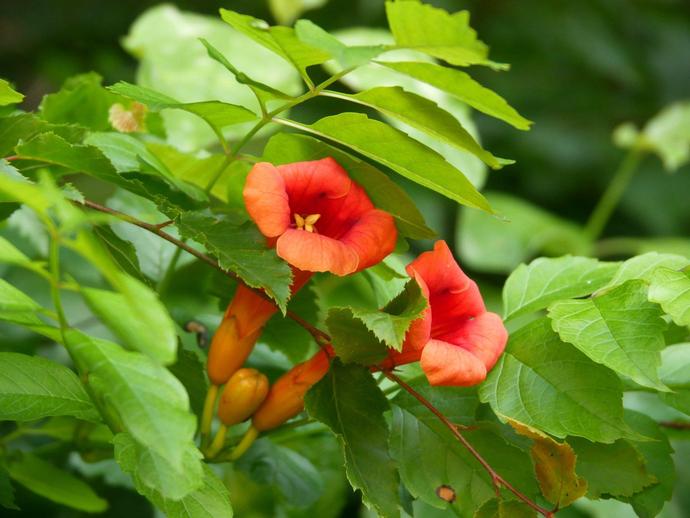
(456, 340)
(319, 219)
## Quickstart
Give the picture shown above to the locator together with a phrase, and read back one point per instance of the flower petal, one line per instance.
(453, 296)
(312, 186)
(449, 365)
(485, 336)
(316, 253)
(373, 237)
(266, 199)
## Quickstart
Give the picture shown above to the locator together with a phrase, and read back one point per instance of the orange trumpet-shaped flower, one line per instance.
(242, 395)
(319, 219)
(286, 397)
(456, 340)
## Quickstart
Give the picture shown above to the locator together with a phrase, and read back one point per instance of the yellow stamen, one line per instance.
(307, 223)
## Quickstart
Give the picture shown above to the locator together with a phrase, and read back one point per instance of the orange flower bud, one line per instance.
(286, 397)
(242, 395)
(228, 351)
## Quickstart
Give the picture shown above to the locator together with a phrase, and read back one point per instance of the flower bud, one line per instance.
(228, 351)
(242, 395)
(286, 397)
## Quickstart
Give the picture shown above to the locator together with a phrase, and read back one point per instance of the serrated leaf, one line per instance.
(352, 339)
(423, 114)
(295, 476)
(643, 266)
(555, 465)
(122, 252)
(217, 114)
(460, 85)
(659, 464)
(534, 286)
(620, 329)
(551, 386)
(26, 126)
(241, 249)
(395, 149)
(495, 245)
(671, 289)
(155, 473)
(390, 324)
(32, 388)
(141, 396)
(285, 148)
(81, 100)
(210, 500)
(431, 30)
(44, 479)
(313, 35)
(8, 95)
(350, 403)
(616, 470)
(280, 40)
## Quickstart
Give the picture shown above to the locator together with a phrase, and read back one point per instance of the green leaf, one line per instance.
(135, 313)
(6, 490)
(141, 396)
(551, 386)
(616, 469)
(620, 329)
(285, 148)
(241, 249)
(667, 134)
(491, 244)
(423, 114)
(32, 388)
(533, 287)
(394, 149)
(217, 114)
(390, 324)
(122, 252)
(675, 366)
(81, 100)
(350, 403)
(14, 301)
(156, 339)
(659, 464)
(460, 85)
(296, 478)
(643, 266)
(280, 40)
(313, 35)
(671, 289)
(8, 95)
(554, 464)
(210, 500)
(44, 479)
(156, 473)
(25, 126)
(352, 339)
(434, 31)
(190, 369)
(504, 509)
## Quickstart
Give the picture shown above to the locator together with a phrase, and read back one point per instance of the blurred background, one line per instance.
(578, 70)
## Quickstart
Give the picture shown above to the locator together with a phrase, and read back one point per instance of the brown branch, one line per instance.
(675, 425)
(322, 339)
(496, 479)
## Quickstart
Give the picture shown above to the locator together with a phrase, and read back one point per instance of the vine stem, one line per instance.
(496, 479)
(609, 200)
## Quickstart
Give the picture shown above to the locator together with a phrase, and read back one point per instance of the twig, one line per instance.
(496, 479)
(675, 425)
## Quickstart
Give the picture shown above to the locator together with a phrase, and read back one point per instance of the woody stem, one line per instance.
(497, 479)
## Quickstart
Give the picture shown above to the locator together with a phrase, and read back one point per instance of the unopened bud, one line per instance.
(228, 351)
(127, 121)
(242, 395)
(286, 397)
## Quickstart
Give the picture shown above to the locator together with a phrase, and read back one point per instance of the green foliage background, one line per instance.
(579, 69)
